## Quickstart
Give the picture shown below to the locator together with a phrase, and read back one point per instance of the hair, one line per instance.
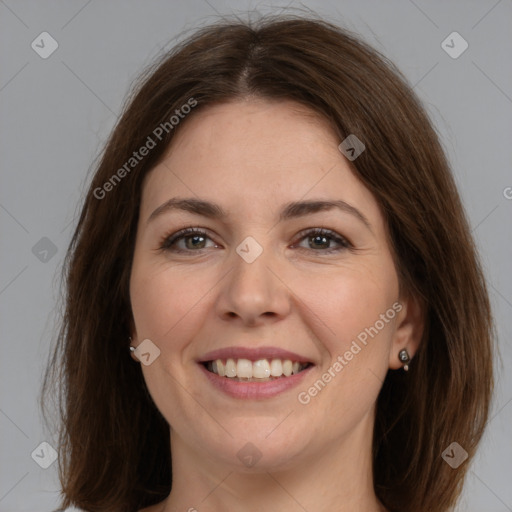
(114, 448)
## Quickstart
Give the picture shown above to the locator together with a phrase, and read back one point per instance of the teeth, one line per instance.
(276, 368)
(261, 369)
(287, 368)
(230, 368)
(221, 369)
(244, 369)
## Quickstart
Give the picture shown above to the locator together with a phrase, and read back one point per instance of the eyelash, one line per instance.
(167, 242)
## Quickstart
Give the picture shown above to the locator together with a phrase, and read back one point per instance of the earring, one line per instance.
(132, 349)
(403, 355)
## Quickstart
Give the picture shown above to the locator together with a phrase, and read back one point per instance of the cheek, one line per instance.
(349, 302)
(165, 304)
(357, 310)
(162, 300)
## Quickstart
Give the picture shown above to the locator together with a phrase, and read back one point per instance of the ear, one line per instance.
(409, 327)
(133, 341)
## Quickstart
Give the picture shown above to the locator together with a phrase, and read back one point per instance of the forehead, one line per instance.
(252, 154)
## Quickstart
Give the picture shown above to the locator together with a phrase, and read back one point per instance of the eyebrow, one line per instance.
(290, 211)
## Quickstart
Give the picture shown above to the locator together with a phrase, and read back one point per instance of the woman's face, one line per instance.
(256, 287)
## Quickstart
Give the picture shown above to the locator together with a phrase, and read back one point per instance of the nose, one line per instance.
(253, 293)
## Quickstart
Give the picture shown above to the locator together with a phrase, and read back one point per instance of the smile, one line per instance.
(262, 370)
(254, 373)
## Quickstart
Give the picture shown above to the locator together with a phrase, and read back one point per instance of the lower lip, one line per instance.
(254, 390)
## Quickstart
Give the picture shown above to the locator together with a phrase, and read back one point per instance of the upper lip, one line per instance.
(252, 354)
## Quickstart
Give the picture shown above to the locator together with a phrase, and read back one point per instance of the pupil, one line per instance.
(323, 239)
(194, 239)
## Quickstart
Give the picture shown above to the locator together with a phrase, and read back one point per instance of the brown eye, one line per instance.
(321, 240)
(191, 239)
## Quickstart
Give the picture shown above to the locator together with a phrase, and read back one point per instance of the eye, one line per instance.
(320, 239)
(194, 239)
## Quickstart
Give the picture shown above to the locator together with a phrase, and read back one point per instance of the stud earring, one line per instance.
(132, 349)
(403, 355)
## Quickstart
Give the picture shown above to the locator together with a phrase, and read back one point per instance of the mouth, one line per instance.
(261, 370)
(254, 373)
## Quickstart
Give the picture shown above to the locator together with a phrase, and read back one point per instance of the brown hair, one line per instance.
(114, 443)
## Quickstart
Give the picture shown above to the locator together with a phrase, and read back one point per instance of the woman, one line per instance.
(274, 236)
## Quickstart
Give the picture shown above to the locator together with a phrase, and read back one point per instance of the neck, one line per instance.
(340, 478)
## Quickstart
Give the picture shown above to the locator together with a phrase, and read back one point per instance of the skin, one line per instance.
(251, 157)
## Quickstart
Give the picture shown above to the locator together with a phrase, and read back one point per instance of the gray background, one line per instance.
(56, 113)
